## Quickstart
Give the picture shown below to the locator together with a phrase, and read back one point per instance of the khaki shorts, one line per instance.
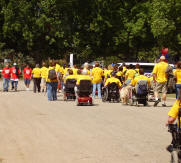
(43, 82)
(161, 87)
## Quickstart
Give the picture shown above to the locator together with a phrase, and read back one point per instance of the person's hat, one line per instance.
(162, 57)
(14, 64)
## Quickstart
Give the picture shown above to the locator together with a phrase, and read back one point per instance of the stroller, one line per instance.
(69, 89)
(140, 94)
(111, 93)
(83, 93)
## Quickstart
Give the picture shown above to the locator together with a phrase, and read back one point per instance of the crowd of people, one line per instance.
(53, 78)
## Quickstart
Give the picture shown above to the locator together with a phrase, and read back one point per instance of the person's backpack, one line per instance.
(52, 74)
(142, 88)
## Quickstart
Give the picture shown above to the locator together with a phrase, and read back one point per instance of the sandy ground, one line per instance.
(34, 130)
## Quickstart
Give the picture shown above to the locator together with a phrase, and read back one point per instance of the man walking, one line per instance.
(52, 82)
(97, 74)
(36, 73)
(43, 77)
(15, 72)
(160, 78)
(27, 76)
(6, 77)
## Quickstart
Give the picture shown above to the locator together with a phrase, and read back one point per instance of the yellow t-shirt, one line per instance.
(44, 72)
(70, 77)
(47, 79)
(119, 73)
(124, 69)
(59, 69)
(97, 74)
(75, 71)
(177, 74)
(36, 73)
(113, 80)
(83, 77)
(107, 73)
(159, 70)
(175, 109)
(138, 78)
(130, 74)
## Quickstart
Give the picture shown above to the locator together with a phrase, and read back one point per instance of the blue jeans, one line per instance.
(5, 84)
(178, 88)
(52, 91)
(98, 86)
(14, 84)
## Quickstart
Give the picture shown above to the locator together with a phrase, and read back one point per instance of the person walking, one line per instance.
(36, 73)
(97, 74)
(43, 77)
(160, 79)
(52, 82)
(15, 72)
(27, 76)
(177, 75)
(6, 77)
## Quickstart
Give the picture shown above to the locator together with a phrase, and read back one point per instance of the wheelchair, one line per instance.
(69, 89)
(111, 93)
(175, 150)
(139, 95)
(84, 90)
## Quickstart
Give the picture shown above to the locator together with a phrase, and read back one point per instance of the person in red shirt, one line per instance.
(15, 72)
(6, 77)
(27, 76)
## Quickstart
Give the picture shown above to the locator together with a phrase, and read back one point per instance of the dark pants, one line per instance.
(36, 82)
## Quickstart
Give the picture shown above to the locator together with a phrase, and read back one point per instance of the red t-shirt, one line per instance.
(27, 73)
(6, 73)
(13, 73)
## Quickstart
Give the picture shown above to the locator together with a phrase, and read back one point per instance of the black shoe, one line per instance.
(164, 105)
(156, 103)
(12, 88)
(169, 148)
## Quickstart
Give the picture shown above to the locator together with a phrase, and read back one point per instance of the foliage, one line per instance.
(111, 29)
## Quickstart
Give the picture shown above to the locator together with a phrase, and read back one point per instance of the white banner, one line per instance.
(71, 60)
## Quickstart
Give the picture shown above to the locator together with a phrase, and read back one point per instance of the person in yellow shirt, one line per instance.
(75, 69)
(160, 78)
(84, 76)
(113, 79)
(140, 77)
(43, 76)
(97, 74)
(36, 74)
(52, 81)
(70, 76)
(172, 116)
(177, 74)
(130, 74)
(120, 75)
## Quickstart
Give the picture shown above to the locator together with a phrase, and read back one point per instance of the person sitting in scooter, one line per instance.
(140, 77)
(113, 79)
(69, 82)
(84, 76)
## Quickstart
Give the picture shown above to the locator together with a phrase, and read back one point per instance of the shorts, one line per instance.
(27, 81)
(161, 87)
(43, 82)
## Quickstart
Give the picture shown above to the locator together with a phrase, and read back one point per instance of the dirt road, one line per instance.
(34, 130)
